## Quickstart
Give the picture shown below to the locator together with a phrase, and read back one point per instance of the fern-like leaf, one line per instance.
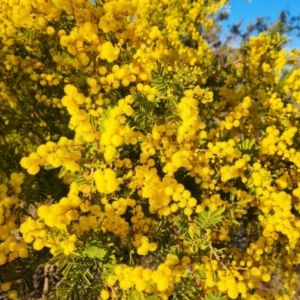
(208, 219)
(159, 79)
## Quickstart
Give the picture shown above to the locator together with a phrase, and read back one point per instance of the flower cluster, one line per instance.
(11, 247)
(106, 181)
(55, 155)
(138, 278)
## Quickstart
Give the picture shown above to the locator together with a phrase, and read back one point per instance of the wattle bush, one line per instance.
(134, 161)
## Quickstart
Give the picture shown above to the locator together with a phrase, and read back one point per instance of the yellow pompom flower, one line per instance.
(32, 170)
(143, 250)
(266, 277)
(232, 293)
(5, 286)
(50, 30)
(70, 90)
(111, 279)
(126, 283)
(43, 211)
(38, 244)
(104, 295)
(23, 252)
(110, 152)
(152, 247)
(222, 286)
(242, 288)
(109, 52)
(68, 246)
(128, 110)
(117, 140)
(147, 274)
(140, 284)
(118, 269)
(163, 284)
(187, 211)
(106, 181)
(12, 294)
(192, 202)
(174, 207)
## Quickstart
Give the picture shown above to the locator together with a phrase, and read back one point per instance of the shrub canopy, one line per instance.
(137, 162)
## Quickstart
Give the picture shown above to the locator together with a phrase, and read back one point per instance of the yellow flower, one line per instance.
(71, 90)
(109, 52)
(43, 211)
(147, 274)
(111, 279)
(192, 202)
(5, 286)
(38, 244)
(222, 286)
(152, 247)
(126, 283)
(163, 284)
(117, 140)
(32, 170)
(106, 181)
(110, 152)
(104, 295)
(50, 30)
(140, 284)
(232, 293)
(266, 277)
(188, 211)
(13, 294)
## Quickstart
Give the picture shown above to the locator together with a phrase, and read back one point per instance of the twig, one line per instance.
(216, 256)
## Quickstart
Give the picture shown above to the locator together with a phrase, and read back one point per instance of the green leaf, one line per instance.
(235, 222)
(62, 172)
(218, 212)
(159, 79)
(208, 219)
(201, 274)
(137, 295)
(183, 25)
(251, 143)
(246, 145)
(231, 197)
(211, 297)
(94, 252)
(174, 12)
(242, 202)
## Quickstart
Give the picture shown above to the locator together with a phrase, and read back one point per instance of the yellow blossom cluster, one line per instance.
(143, 246)
(265, 59)
(75, 216)
(139, 221)
(106, 181)
(161, 280)
(35, 231)
(292, 85)
(55, 155)
(188, 111)
(11, 247)
(236, 280)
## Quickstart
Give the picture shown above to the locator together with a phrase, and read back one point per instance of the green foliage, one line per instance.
(208, 218)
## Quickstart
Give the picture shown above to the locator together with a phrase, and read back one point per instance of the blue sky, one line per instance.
(249, 12)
